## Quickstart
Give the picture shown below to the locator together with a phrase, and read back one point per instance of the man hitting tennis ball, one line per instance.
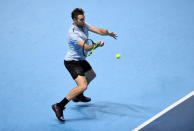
(80, 70)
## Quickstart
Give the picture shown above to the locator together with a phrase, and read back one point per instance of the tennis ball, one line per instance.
(118, 56)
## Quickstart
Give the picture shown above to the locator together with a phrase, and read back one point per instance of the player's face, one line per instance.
(80, 21)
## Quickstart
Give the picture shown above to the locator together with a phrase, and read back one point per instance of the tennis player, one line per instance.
(80, 70)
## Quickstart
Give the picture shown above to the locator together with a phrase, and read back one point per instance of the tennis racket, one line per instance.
(89, 42)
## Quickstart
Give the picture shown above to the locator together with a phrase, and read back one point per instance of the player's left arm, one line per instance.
(103, 32)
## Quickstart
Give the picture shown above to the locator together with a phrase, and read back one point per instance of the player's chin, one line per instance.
(81, 25)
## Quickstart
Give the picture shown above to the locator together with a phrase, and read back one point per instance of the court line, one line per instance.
(164, 111)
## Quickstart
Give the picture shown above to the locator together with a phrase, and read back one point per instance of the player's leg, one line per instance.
(90, 75)
(78, 74)
(81, 86)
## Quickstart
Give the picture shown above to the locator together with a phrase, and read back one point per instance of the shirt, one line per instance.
(75, 35)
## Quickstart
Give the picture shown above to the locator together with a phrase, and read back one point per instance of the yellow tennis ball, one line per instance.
(118, 56)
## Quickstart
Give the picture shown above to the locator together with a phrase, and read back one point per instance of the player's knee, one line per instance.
(83, 86)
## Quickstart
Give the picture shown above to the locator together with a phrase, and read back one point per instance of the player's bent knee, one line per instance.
(83, 86)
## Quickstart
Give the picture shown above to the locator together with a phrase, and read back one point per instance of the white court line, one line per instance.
(164, 111)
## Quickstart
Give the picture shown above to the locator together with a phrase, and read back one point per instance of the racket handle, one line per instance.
(99, 44)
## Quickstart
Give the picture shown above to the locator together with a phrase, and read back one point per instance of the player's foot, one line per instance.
(59, 112)
(81, 98)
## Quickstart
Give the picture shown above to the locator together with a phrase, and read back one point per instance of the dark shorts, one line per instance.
(76, 68)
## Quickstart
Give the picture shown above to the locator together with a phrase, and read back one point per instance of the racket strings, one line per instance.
(89, 42)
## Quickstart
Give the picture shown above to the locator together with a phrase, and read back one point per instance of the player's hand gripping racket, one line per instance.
(87, 53)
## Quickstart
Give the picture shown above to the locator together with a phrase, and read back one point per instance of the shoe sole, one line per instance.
(80, 101)
(75, 100)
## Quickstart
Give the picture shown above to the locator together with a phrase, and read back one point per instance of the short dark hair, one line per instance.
(76, 12)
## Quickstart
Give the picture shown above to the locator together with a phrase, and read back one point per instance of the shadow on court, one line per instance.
(105, 110)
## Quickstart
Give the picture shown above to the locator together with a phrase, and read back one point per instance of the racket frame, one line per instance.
(95, 45)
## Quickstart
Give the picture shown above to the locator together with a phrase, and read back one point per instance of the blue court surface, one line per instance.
(156, 68)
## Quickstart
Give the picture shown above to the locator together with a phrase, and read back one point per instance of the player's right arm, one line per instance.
(88, 47)
(75, 38)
